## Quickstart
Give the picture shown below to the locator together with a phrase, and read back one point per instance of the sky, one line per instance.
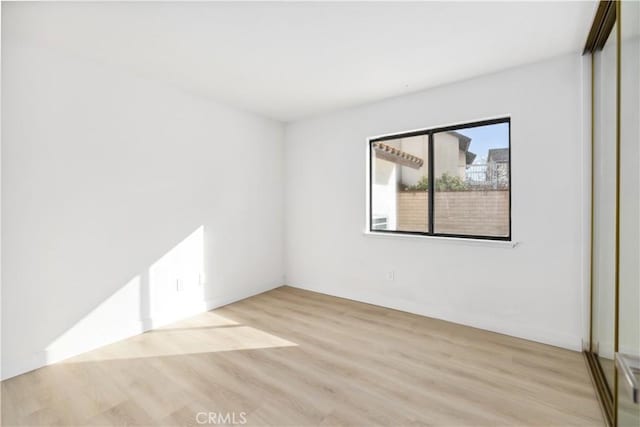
(485, 137)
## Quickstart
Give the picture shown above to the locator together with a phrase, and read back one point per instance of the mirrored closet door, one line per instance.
(613, 352)
(604, 207)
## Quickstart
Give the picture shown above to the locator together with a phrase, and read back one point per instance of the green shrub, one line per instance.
(446, 182)
(450, 183)
(422, 185)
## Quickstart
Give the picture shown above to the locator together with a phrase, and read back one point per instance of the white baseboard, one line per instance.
(553, 338)
(19, 365)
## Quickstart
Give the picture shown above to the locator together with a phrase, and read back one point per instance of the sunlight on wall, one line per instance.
(117, 316)
(171, 288)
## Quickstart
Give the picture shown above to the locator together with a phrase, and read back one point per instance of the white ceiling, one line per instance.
(290, 60)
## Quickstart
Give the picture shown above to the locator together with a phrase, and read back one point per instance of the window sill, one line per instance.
(451, 240)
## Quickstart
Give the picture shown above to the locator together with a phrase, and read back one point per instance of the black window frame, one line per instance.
(431, 205)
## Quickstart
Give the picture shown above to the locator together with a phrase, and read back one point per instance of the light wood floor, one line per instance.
(297, 358)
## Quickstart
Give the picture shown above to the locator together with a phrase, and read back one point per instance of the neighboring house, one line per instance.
(452, 158)
(403, 162)
(498, 167)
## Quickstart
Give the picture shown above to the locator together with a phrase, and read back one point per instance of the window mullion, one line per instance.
(431, 184)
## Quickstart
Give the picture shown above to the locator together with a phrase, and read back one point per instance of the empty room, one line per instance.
(320, 213)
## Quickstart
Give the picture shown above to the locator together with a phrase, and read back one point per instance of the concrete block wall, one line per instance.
(457, 212)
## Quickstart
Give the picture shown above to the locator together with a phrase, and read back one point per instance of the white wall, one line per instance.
(116, 191)
(533, 291)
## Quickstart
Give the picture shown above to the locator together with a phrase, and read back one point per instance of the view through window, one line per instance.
(452, 181)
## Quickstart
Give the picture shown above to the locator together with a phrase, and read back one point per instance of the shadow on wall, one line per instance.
(171, 288)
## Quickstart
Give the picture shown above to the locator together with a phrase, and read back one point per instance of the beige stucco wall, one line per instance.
(448, 157)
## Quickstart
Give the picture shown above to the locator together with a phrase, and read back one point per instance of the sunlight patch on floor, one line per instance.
(206, 333)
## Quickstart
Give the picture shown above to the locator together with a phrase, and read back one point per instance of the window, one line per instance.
(450, 182)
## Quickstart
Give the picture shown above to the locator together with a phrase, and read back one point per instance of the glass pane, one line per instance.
(399, 198)
(604, 215)
(471, 170)
(629, 309)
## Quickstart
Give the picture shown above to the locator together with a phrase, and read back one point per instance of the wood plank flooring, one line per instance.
(290, 357)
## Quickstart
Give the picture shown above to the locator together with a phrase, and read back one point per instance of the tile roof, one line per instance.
(395, 155)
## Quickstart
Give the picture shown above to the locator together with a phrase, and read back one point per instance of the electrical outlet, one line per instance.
(391, 275)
